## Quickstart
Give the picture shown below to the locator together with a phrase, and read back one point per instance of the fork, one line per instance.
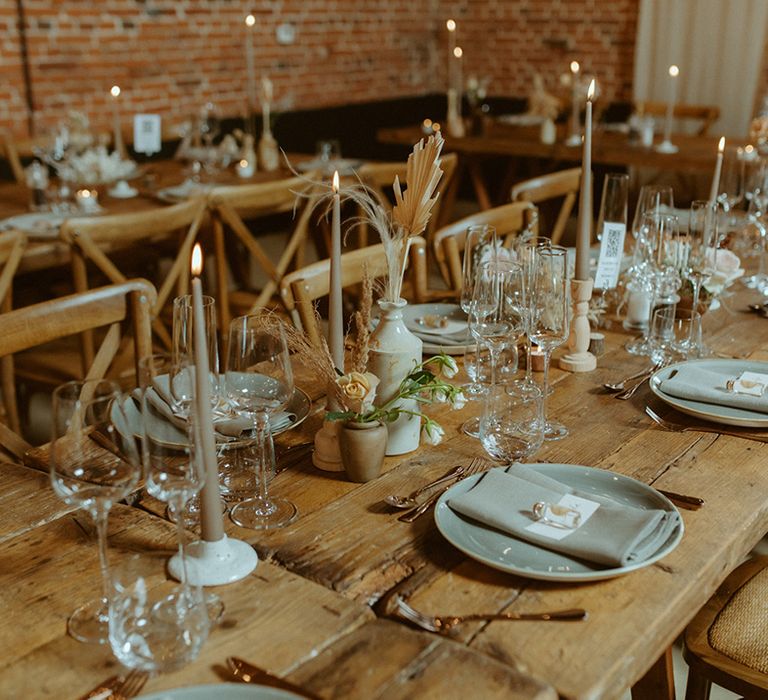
(445, 623)
(116, 688)
(477, 465)
(681, 428)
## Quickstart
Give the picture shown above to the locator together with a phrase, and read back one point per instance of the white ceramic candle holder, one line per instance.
(215, 563)
(579, 359)
(667, 147)
(573, 140)
(326, 455)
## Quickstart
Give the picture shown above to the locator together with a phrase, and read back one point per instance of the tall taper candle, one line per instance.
(450, 25)
(674, 71)
(575, 100)
(212, 524)
(584, 234)
(250, 73)
(335, 310)
(714, 189)
(458, 53)
(118, 135)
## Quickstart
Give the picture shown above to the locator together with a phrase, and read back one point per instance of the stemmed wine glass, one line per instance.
(526, 255)
(653, 199)
(259, 383)
(209, 127)
(549, 317)
(512, 423)
(701, 243)
(94, 462)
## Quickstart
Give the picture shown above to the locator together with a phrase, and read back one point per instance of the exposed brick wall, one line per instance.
(169, 56)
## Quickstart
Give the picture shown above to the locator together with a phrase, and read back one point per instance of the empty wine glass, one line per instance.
(209, 127)
(94, 462)
(259, 382)
(652, 199)
(526, 255)
(549, 318)
(701, 243)
(155, 625)
(731, 187)
(512, 423)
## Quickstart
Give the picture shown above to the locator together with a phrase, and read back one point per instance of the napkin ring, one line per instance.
(557, 516)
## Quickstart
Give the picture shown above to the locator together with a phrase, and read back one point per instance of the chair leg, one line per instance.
(659, 682)
(697, 687)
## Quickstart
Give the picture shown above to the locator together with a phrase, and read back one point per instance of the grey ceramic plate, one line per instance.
(223, 691)
(36, 225)
(727, 415)
(299, 405)
(516, 556)
(454, 316)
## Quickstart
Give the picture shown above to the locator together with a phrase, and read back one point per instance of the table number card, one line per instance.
(146, 133)
(611, 252)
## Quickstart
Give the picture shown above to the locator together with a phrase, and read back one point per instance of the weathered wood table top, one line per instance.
(313, 611)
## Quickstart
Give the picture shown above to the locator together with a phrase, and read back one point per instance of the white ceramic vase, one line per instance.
(394, 352)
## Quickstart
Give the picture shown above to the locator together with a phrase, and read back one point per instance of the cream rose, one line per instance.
(359, 389)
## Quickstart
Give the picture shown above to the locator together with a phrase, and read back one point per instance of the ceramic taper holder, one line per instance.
(327, 455)
(579, 359)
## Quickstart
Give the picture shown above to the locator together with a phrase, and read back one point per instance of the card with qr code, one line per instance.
(611, 252)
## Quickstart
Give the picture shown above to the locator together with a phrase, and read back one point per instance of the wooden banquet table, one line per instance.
(314, 609)
(697, 154)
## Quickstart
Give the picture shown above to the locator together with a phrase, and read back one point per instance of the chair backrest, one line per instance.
(705, 115)
(231, 206)
(35, 325)
(13, 150)
(299, 289)
(12, 245)
(509, 220)
(564, 183)
(93, 238)
(380, 177)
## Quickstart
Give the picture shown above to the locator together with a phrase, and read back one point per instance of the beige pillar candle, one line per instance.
(335, 310)
(584, 232)
(212, 524)
(714, 189)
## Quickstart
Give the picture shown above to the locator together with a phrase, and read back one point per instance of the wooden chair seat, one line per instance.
(564, 183)
(509, 220)
(301, 288)
(727, 642)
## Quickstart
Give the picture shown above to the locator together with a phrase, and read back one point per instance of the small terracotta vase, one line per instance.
(362, 447)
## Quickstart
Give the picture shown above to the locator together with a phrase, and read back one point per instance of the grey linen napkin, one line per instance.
(614, 535)
(698, 384)
(226, 423)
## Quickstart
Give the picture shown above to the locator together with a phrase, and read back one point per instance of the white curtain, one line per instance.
(718, 46)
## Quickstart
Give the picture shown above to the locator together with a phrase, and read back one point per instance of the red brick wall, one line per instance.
(169, 56)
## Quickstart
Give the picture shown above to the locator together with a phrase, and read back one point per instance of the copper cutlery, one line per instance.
(410, 500)
(681, 428)
(247, 672)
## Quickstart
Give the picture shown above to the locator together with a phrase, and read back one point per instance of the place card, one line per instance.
(611, 253)
(582, 506)
(752, 383)
(146, 133)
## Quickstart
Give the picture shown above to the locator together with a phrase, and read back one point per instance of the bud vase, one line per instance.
(362, 447)
(394, 352)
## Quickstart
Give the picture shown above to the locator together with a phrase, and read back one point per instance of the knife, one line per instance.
(248, 673)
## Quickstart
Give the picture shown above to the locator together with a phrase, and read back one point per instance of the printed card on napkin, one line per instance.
(695, 383)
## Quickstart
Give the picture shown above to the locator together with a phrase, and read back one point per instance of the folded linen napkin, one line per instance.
(446, 339)
(227, 423)
(698, 384)
(610, 533)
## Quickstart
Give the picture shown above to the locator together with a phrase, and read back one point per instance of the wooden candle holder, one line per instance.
(579, 359)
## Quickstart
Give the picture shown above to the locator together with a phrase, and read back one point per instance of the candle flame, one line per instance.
(436, 126)
(115, 91)
(721, 144)
(591, 90)
(197, 260)
(574, 67)
(250, 20)
(335, 181)
(427, 123)
(458, 52)
(748, 148)
(450, 25)
(243, 163)
(674, 71)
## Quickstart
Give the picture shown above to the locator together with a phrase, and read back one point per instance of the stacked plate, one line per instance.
(441, 327)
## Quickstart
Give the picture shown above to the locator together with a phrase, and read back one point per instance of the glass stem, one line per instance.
(696, 291)
(545, 384)
(265, 452)
(528, 370)
(101, 520)
(492, 360)
(176, 504)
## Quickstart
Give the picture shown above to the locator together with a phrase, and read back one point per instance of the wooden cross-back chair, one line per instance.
(704, 115)
(564, 183)
(230, 208)
(93, 239)
(380, 177)
(12, 245)
(31, 326)
(13, 150)
(509, 220)
(301, 288)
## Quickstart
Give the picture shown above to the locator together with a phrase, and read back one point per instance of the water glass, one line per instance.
(662, 335)
(154, 625)
(512, 422)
